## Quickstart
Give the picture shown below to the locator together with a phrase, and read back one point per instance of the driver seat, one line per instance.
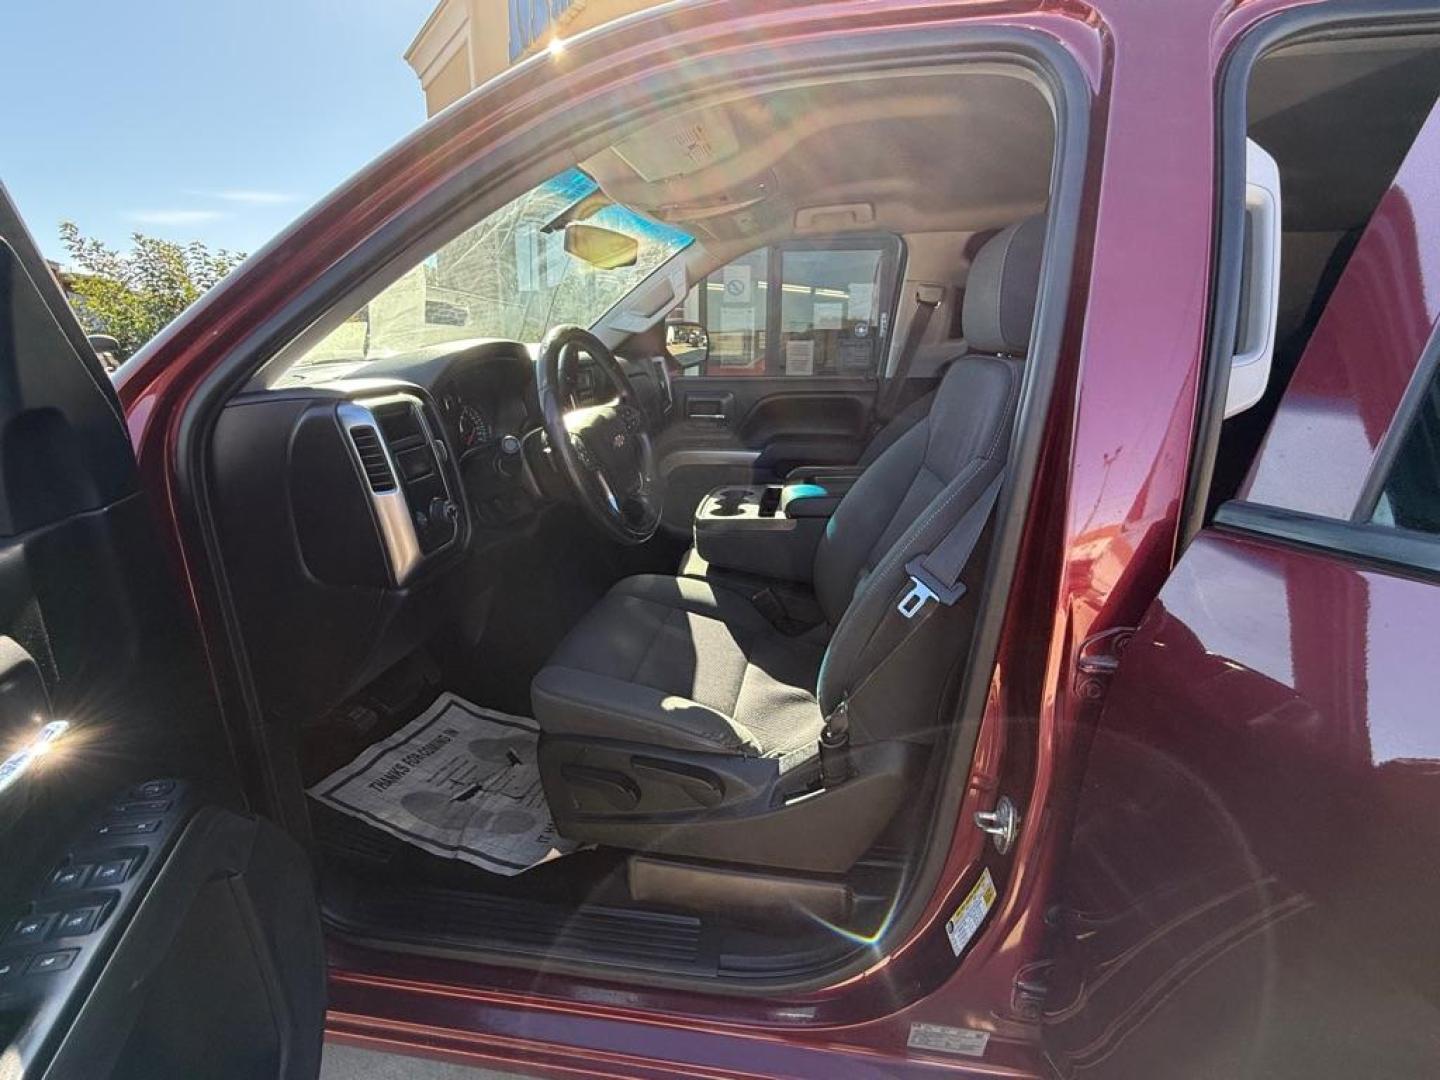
(677, 719)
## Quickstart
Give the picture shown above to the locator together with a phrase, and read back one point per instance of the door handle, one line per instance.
(707, 408)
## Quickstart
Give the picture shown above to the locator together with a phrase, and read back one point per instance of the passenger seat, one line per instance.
(998, 308)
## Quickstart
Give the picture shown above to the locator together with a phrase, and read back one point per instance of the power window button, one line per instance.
(9, 968)
(127, 828)
(69, 877)
(47, 962)
(152, 789)
(78, 921)
(141, 806)
(30, 929)
(112, 872)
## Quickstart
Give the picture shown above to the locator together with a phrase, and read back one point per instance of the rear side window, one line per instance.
(1410, 498)
(827, 314)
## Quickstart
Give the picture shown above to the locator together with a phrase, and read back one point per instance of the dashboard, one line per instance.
(361, 505)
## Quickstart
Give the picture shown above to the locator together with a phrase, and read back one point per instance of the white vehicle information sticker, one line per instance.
(948, 1040)
(962, 925)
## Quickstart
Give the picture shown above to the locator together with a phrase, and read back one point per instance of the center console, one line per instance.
(770, 530)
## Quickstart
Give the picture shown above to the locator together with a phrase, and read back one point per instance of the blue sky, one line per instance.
(212, 120)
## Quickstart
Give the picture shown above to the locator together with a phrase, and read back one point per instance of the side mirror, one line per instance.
(688, 344)
(602, 248)
(107, 349)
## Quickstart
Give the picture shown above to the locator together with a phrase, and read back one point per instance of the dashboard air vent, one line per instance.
(372, 458)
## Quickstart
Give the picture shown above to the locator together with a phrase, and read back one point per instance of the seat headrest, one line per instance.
(1000, 291)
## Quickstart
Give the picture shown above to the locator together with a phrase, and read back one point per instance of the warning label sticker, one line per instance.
(948, 1040)
(962, 925)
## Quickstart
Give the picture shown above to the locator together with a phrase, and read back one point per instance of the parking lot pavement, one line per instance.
(351, 1063)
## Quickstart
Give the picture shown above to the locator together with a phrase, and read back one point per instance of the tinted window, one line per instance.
(736, 298)
(828, 311)
(1411, 497)
(829, 315)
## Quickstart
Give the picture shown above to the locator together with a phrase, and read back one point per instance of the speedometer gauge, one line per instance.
(473, 428)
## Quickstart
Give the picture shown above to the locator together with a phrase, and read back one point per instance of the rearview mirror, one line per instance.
(602, 248)
(688, 343)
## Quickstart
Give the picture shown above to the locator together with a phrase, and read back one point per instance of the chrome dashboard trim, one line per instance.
(392, 512)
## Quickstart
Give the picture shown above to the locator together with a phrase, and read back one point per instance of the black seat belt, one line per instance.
(936, 576)
(927, 299)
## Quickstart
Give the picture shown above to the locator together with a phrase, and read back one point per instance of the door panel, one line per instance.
(139, 926)
(797, 332)
(1252, 882)
(752, 430)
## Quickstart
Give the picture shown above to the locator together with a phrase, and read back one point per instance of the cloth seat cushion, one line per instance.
(683, 664)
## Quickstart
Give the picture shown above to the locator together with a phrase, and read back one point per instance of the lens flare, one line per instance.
(20, 762)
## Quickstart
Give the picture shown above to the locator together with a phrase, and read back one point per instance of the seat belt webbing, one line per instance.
(927, 299)
(936, 576)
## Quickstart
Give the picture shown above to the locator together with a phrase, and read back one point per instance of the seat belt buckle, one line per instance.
(925, 587)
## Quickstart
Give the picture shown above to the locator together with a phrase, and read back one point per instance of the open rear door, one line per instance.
(1253, 878)
(149, 925)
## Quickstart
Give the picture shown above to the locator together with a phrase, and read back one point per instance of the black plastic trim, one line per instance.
(1317, 22)
(1381, 545)
(844, 53)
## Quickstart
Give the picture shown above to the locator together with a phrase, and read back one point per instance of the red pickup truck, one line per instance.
(823, 539)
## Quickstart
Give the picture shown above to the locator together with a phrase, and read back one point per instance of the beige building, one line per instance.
(466, 42)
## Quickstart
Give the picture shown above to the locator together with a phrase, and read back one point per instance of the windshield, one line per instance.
(504, 277)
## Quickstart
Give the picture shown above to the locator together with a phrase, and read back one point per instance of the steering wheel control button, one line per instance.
(112, 872)
(30, 929)
(152, 789)
(128, 828)
(69, 877)
(49, 962)
(79, 921)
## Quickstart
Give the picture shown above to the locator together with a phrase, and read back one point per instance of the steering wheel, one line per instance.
(603, 450)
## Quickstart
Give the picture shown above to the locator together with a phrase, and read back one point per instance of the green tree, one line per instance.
(131, 295)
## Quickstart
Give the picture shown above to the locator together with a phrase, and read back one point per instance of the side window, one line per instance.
(734, 305)
(829, 313)
(829, 321)
(1410, 498)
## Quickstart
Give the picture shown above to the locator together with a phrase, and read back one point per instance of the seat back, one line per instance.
(910, 498)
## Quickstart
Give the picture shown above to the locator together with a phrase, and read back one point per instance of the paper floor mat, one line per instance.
(460, 782)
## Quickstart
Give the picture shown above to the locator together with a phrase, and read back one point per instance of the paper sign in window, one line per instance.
(527, 256)
(737, 284)
(829, 316)
(737, 320)
(862, 301)
(799, 357)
